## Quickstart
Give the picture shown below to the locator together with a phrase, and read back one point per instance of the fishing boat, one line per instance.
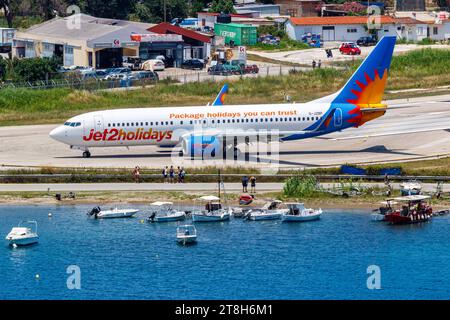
(186, 234)
(414, 209)
(164, 212)
(298, 213)
(410, 188)
(387, 206)
(270, 211)
(212, 211)
(98, 213)
(23, 235)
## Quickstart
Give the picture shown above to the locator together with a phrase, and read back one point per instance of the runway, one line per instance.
(30, 146)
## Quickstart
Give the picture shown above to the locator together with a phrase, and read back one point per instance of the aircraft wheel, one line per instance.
(86, 154)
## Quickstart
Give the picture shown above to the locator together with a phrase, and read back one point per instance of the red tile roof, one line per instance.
(165, 28)
(408, 20)
(336, 20)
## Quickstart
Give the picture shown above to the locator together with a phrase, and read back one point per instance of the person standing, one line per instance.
(182, 175)
(314, 64)
(252, 184)
(319, 65)
(165, 173)
(171, 174)
(177, 174)
(244, 183)
(136, 174)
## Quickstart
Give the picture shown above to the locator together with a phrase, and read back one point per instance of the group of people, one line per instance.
(318, 64)
(246, 180)
(172, 175)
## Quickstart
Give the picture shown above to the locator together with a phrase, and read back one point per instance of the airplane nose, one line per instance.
(57, 133)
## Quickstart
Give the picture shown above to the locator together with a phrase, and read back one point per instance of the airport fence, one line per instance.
(167, 76)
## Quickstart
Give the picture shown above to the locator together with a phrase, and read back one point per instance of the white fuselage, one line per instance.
(165, 126)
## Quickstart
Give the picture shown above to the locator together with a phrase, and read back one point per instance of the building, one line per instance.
(299, 8)
(351, 28)
(84, 40)
(346, 28)
(195, 44)
(209, 19)
(258, 10)
(6, 40)
(410, 5)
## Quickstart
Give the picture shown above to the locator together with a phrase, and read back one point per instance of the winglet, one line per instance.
(220, 99)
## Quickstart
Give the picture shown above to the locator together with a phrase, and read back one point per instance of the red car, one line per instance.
(350, 48)
(250, 68)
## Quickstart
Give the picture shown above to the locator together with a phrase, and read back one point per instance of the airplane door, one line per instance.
(338, 118)
(98, 125)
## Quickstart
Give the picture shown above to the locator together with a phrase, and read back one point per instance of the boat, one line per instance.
(410, 188)
(186, 234)
(98, 213)
(213, 211)
(245, 199)
(298, 213)
(23, 235)
(165, 212)
(386, 207)
(414, 209)
(270, 211)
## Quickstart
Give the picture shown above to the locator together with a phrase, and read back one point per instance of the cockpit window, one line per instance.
(73, 124)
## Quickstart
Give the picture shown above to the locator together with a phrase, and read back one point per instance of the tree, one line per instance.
(9, 8)
(33, 69)
(196, 6)
(223, 6)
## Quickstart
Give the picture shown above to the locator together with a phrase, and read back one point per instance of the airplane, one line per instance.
(202, 128)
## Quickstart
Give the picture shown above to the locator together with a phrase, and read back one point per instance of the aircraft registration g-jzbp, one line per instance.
(217, 128)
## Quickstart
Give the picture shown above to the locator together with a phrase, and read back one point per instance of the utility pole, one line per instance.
(165, 11)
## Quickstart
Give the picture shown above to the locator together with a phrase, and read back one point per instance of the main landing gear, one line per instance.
(86, 154)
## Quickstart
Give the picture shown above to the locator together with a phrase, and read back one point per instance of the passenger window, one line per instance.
(181, 122)
(171, 122)
(191, 122)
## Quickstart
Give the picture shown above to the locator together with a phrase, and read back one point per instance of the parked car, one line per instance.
(117, 70)
(133, 63)
(117, 76)
(269, 39)
(192, 64)
(366, 41)
(219, 69)
(153, 65)
(233, 66)
(350, 48)
(145, 75)
(252, 68)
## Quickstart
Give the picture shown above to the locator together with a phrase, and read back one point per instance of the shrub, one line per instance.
(300, 186)
(33, 69)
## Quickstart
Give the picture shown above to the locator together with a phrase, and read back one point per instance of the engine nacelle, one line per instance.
(201, 146)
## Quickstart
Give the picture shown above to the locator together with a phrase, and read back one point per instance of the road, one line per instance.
(31, 146)
(187, 187)
(308, 55)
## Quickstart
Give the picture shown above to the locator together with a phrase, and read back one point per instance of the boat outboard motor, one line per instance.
(95, 211)
(152, 216)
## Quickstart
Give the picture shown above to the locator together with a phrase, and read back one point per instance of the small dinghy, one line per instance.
(298, 213)
(98, 213)
(23, 235)
(165, 212)
(410, 188)
(186, 234)
(245, 199)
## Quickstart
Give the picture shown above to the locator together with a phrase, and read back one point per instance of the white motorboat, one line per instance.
(213, 211)
(386, 207)
(98, 213)
(23, 235)
(298, 213)
(270, 211)
(165, 212)
(186, 234)
(410, 188)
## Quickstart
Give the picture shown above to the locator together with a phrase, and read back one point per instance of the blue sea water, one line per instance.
(127, 259)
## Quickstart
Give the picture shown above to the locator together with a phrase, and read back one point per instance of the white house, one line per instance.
(351, 28)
